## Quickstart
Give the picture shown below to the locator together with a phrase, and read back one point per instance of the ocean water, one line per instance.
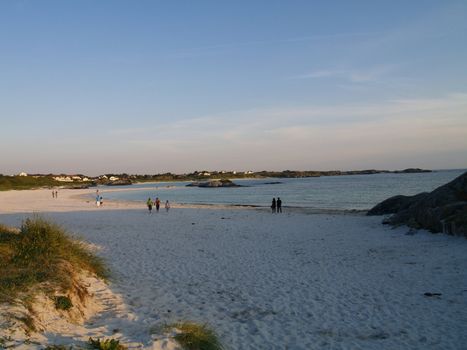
(359, 192)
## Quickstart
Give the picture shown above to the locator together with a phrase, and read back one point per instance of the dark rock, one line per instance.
(122, 182)
(395, 204)
(81, 186)
(214, 184)
(442, 210)
(428, 294)
(412, 171)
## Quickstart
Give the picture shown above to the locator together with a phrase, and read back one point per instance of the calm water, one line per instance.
(327, 192)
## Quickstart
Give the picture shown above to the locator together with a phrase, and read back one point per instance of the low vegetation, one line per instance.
(193, 336)
(40, 256)
(63, 303)
(105, 344)
(26, 182)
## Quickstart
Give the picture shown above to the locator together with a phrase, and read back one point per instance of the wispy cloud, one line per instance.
(363, 75)
(261, 123)
(219, 48)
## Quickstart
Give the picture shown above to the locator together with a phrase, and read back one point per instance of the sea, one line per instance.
(345, 192)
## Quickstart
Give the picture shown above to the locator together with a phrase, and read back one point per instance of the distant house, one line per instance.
(103, 177)
(248, 172)
(206, 174)
(86, 179)
(77, 178)
(22, 174)
(113, 178)
(63, 178)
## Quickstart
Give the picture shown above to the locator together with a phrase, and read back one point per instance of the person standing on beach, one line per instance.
(273, 205)
(98, 201)
(101, 201)
(53, 194)
(158, 204)
(149, 204)
(279, 205)
(56, 194)
(167, 205)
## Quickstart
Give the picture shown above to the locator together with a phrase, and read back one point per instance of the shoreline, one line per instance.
(71, 200)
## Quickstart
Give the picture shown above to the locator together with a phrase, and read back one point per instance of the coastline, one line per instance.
(71, 200)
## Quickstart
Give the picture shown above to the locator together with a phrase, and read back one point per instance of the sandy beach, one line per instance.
(261, 281)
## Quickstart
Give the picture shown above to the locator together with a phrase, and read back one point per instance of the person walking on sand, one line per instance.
(158, 204)
(279, 205)
(53, 194)
(149, 204)
(167, 205)
(273, 205)
(98, 201)
(56, 194)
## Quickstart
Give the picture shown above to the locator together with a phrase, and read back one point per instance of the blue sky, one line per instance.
(153, 86)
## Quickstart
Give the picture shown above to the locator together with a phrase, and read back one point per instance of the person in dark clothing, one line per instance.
(279, 205)
(273, 205)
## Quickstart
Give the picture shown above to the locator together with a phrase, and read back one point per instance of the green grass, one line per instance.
(26, 182)
(105, 344)
(41, 256)
(63, 302)
(193, 336)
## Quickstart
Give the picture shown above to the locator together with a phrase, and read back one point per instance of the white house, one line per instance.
(113, 178)
(63, 178)
(22, 174)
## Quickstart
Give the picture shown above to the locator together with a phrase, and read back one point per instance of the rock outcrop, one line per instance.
(443, 210)
(214, 184)
(122, 182)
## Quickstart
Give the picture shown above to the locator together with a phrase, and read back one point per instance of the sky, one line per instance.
(115, 86)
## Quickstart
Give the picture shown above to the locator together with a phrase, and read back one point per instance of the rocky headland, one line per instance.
(442, 210)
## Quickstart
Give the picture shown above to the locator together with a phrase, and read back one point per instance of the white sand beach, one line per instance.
(261, 281)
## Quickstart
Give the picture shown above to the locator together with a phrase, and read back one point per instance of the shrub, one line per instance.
(193, 336)
(105, 344)
(63, 303)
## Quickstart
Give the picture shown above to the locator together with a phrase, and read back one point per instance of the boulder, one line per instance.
(442, 210)
(214, 184)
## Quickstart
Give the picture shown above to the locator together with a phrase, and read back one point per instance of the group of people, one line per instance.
(54, 194)
(276, 205)
(157, 203)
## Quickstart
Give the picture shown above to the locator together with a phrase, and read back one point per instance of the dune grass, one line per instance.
(26, 182)
(41, 256)
(105, 344)
(194, 336)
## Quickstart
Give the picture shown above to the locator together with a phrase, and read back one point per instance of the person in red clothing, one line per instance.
(158, 203)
